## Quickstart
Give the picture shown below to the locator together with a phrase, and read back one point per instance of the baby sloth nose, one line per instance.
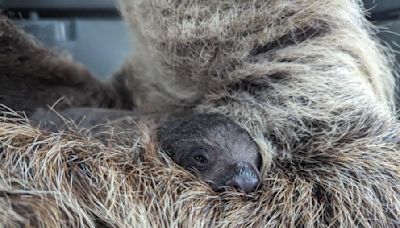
(245, 179)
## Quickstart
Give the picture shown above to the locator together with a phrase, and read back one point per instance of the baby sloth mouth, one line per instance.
(245, 178)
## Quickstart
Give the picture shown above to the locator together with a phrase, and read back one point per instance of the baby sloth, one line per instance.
(209, 145)
(215, 148)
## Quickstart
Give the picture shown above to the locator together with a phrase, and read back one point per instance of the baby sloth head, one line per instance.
(215, 148)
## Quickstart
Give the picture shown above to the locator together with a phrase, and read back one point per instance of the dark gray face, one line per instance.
(215, 148)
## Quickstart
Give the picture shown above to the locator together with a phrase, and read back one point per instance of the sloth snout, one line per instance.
(246, 178)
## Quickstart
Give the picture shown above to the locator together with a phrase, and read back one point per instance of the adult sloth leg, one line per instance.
(32, 76)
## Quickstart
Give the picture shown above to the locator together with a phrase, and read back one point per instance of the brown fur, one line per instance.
(32, 76)
(83, 118)
(319, 105)
(209, 145)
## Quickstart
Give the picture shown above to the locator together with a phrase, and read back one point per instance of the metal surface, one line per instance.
(101, 45)
(59, 4)
(380, 6)
(389, 34)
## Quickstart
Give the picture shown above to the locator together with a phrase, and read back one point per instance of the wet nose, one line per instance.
(244, 183)
(246, 179)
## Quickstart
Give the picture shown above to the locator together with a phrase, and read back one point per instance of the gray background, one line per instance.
(101, 40)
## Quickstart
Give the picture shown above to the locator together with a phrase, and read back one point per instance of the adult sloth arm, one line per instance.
(209, 145)
(281, 72)
(306, 79)
(32, 76)
(208, 45)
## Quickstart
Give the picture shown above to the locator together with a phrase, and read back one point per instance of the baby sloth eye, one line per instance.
(200, 159)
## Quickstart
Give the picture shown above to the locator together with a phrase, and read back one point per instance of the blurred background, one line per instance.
(93, 32)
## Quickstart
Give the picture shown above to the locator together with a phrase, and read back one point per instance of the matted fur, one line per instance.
(305, 78)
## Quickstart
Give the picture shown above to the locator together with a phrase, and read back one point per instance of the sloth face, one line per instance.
(214, 148)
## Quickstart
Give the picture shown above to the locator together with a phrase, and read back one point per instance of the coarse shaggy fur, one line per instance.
(306, 78)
